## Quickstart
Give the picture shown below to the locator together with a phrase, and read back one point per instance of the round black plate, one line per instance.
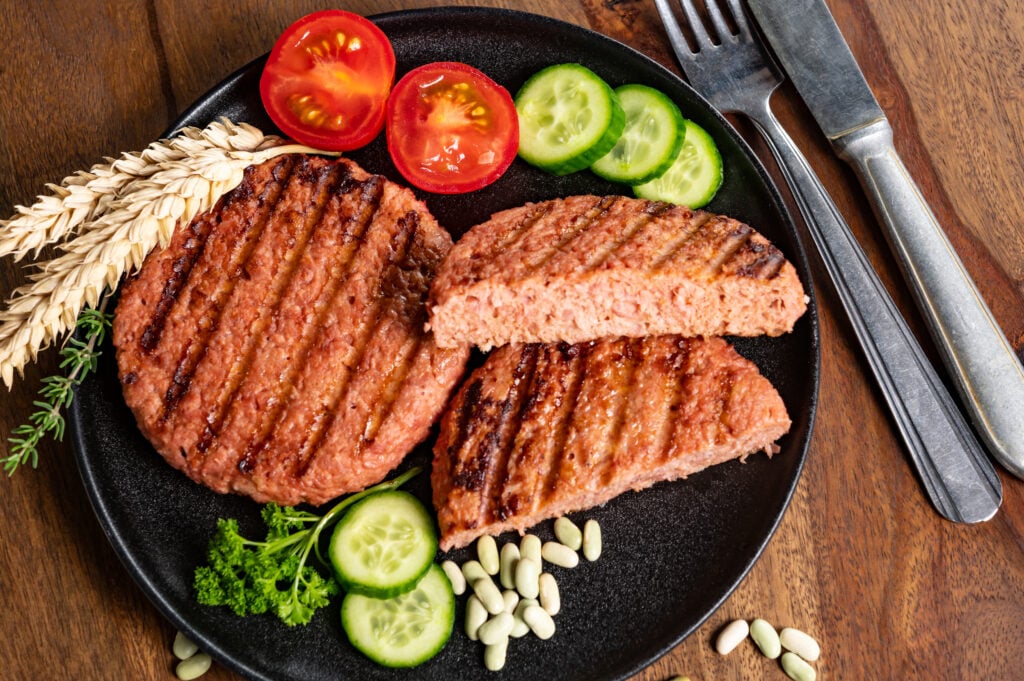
(672, 553)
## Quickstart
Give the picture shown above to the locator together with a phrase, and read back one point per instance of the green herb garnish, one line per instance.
(79, 358)
(253, 577)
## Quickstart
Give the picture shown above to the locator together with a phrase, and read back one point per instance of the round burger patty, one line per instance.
(276, 347)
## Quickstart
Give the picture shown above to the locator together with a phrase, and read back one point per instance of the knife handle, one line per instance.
(956, 474)
(985, 370)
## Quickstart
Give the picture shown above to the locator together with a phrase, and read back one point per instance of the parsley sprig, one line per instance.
(254, 577)
(79, 358)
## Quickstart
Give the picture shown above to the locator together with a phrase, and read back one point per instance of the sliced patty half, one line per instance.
(541, 430)
(587, 267)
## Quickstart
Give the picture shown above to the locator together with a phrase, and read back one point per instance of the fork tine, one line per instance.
(718, 21)
(740, 17)
(700, 34)
(672, 28)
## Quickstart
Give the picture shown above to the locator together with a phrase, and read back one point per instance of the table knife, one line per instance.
(986, 373)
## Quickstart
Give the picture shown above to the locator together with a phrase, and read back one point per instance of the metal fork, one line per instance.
(735, 73)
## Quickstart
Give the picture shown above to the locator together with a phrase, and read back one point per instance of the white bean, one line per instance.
(507, 565)
(455, 576)
(539, 621)
(796, 668)
(476, 615)
(487, 554)
(549, 597)
(184, 647)
(800, 643)
(494, 655)
(591, 540)
(521, 628)
(568, 533)
(511, 597)
(528, 577)
(489, 595)
(529, 547)
(193, 667)
(473, 570)
(496, 628)
(766, 638)
(731, 636)
(559, 554)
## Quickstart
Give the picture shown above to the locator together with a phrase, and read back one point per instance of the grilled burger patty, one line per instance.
(586, 267)
(276, 348)
(540, 430)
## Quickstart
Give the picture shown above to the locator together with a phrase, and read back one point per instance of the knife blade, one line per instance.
(985, 370)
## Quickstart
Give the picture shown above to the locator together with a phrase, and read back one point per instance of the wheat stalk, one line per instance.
(115, 215)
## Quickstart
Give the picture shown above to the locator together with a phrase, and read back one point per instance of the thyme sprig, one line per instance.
(79, 358)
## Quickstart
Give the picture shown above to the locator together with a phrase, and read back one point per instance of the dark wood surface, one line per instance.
(860, 560)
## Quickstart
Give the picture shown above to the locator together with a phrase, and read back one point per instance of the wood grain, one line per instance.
(860, 559)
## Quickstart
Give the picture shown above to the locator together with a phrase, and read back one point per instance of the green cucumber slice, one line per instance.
(405, 630)
(383, 545)
(695, 175)
(650, 141)
(568, 118)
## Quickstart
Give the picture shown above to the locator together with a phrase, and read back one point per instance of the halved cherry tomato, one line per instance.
(327, 80)
(450, 128)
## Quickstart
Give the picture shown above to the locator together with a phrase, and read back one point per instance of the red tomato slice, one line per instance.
(450, 128)
(327, 80)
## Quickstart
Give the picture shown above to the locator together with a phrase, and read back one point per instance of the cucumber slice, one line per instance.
(650, 141)
(383, 545)
(568, 118)
(405, 630)
(695, 175)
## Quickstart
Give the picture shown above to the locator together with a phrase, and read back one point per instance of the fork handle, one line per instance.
(981, 361)
(957, 476)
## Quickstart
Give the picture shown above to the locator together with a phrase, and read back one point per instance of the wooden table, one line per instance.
(860, 560)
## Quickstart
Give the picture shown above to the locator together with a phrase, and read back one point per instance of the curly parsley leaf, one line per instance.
(272, 575)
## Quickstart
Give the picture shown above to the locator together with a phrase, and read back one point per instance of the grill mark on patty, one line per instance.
(472, 402)
(636, 226)
(244, 356)
(631, 356)
(181, 268)
(507, 503)
(571, 234)
(270, 418)
(679, 373)
(400, 242)
(391, 389)
(504, 432)
(576, 356)
(195, 348)
(727, 246)
(512, 238)
(415, 316)
(767, 263)
(697, 222)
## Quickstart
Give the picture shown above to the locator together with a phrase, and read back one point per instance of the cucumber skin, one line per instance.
(350, 585)
(604, 144)
(703, 141)
(614, 175)
(447, 625)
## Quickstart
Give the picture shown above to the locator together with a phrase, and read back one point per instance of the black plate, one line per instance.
(672, 553)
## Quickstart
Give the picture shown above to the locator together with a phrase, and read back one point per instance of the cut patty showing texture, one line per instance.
(586, 267)
(541, 430)
(276, 348)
